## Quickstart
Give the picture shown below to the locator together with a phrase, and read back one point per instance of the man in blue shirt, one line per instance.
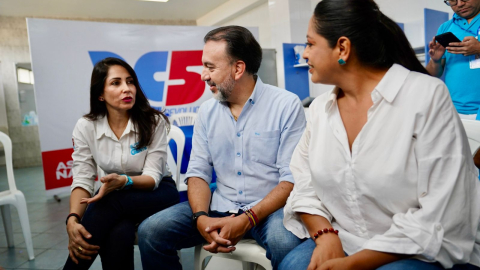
(247, 133)
(460, 62)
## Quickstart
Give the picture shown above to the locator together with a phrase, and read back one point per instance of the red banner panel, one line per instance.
(57, 168)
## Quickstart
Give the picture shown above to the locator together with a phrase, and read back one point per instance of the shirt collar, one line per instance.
(388, 87)
(390, 84)
(456, 17)
(257, 90)
(332, 99)
(103, 128)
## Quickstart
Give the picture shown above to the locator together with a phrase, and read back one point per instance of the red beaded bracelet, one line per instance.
(326, 230)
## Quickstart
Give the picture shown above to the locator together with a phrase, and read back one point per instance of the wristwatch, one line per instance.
(196, 215)
(129, 183)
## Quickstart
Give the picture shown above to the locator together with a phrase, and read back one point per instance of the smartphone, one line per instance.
(445, 39)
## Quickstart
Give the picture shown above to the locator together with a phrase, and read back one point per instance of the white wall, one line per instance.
(257, 17)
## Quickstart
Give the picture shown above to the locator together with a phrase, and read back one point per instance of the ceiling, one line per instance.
(110, 9)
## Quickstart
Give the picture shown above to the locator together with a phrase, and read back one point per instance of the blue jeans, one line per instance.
(161, 235)
(112, 223)
(299, 259)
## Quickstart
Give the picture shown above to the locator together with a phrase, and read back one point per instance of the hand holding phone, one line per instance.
(435, 50)
(446, 38)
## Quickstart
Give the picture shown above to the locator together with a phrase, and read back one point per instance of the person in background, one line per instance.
(460, 60)
(127, 139)
(247, 133)
(384, 177)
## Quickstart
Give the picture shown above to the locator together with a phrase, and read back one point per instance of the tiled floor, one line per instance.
(47, 222)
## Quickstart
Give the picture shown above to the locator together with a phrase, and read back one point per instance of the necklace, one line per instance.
(234, 117)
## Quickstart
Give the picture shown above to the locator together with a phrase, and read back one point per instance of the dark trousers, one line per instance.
(112, 223)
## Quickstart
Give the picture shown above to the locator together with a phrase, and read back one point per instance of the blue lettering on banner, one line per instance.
(134, 149)
(146, 66)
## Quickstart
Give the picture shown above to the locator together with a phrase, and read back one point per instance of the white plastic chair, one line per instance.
(15, 197)
(183, 119)
(472, 128)
(177, 135)
(247, 251)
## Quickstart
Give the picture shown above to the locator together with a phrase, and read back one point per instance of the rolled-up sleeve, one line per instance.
(303, 198)
(292, 130)
(444, 226)
(157, 153)
(84, 167)
(200, 164)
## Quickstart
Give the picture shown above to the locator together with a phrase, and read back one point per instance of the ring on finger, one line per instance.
(80, 249)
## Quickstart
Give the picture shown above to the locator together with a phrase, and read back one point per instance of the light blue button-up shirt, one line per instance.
(251, 155)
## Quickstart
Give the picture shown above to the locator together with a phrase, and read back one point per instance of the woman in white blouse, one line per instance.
(384, 177)
(127, 139)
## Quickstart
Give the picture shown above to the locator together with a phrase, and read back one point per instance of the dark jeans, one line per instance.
(299, 259)
(112, 222)
(161, 235)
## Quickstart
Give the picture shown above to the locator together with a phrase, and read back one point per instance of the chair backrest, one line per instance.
(177, 135)
(7, 147)
(472, 128)
(183, 119)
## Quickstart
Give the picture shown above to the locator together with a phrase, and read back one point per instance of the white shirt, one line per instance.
(94, 143)
(408, 186)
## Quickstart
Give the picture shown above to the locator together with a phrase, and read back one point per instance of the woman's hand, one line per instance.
(77, 246)
(110, 182)
(328, 247)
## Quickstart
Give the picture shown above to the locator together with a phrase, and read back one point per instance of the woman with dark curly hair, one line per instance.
(127, 139)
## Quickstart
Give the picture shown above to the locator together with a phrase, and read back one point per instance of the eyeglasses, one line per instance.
(452, 3)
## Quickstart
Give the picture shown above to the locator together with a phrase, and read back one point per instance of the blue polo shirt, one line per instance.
(463, 82)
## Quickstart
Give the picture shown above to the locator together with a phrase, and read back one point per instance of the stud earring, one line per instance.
(341, 62)
(101, 99)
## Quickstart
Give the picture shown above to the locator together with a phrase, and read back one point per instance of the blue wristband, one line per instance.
(129, 182)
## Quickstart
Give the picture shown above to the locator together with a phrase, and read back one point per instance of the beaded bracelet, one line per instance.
(326, 230)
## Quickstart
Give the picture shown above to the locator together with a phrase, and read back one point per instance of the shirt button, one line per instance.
(239, 173)
(238, 134)
(438, 227)
(238, 154)
(253, 102)
(240, 192)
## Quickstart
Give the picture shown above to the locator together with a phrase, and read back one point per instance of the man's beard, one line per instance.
(224, 89)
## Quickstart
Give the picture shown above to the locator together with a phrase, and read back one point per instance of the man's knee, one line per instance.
(154, 229)
(278, 238)
(160, 230)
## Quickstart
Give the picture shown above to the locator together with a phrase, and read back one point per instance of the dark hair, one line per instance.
(144, 117)
(241, 45)
(376, 40)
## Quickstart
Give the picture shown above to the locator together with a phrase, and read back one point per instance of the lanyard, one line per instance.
(466, 30)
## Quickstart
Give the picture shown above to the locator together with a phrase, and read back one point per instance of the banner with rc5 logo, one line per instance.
(166, 59)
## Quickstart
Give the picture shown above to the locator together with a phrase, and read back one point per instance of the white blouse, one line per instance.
(94, 143)
(409, 185)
